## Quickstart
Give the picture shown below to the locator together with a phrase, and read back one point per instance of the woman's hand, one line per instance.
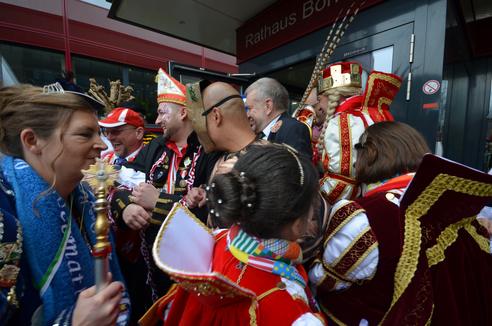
(98, 308)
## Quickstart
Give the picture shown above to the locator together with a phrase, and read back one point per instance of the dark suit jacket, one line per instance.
(293, 133)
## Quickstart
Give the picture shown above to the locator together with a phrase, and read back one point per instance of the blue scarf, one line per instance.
(58, 256)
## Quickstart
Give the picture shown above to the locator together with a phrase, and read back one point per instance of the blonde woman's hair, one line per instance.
(334, 95)
(26, 106)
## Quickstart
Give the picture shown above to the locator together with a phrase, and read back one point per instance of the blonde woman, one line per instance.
(48, 136)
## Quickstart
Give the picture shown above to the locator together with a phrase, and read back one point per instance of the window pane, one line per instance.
(31, 65)
(380, 60)
(142, 81)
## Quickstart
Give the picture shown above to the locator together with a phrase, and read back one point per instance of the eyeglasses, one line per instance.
(115, 132)
(219, 103)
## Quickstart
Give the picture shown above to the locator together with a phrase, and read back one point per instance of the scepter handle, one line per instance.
(102, 248)
(101, 266)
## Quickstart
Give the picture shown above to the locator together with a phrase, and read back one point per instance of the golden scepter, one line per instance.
(101, 176)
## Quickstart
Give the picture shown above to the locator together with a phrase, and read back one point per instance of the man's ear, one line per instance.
(268, 106)
(183, 113)
(140, 132)
(216, 116)
(30, 141)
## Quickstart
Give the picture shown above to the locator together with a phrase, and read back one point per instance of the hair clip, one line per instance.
(301, 171)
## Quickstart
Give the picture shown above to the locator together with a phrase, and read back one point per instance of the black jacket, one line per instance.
(144, 162)
(293, 133)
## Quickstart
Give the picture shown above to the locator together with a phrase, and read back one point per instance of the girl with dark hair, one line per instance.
(255, 276)
(47, 218)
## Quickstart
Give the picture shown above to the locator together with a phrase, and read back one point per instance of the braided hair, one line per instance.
(269, 187)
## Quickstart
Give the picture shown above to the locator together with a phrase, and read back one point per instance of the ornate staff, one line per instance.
(332, 41)
(100, 177)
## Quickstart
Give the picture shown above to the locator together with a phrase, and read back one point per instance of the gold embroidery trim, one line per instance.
(361, 259)
(381, 101)
(350, 148)
(221, 236)
(429, 321)
(266, 293)
(252, 313)
(446, 238)
(370, 84)
(160, 211)
(322, 278)
(407, 264)
(155, 221)
(120, 203)
(342, 223)
(330, 272)
(482, 241)
(240, 277)
(350, 246)
(164, 200)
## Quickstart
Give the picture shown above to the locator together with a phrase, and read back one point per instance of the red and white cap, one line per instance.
(122, 116)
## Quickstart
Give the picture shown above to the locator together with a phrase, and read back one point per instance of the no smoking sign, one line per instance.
(431, 87)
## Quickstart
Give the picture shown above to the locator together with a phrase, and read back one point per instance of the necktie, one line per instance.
(120, 161)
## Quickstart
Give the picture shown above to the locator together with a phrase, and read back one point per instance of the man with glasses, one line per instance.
(175, 166)
(124, 128)
(219, 118)
(267, 101)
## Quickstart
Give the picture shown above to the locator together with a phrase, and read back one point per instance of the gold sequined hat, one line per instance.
(340, 74)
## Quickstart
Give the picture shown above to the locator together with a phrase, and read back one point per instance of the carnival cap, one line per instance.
(169, 89)
(122, 116)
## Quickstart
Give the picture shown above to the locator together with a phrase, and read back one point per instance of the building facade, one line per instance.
(438, 47)
(40, 40)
